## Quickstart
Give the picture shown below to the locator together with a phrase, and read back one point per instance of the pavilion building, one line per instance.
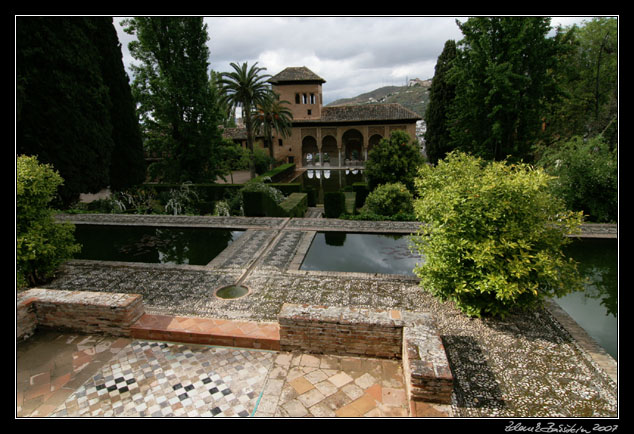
(330, 136)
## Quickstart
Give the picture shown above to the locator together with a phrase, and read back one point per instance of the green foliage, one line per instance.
(127, 165)
(503, 73)
(394, 159)
(261, 161)
(42, 244)
(441, 96)
(62, 113)
(492, 235)
(246, 87)
(589, 81)
(587, 176)
(182, 201)
(334, 204)
(361, 188)
(390, 199)
(174, 97)
(295, 205)
(260, 199)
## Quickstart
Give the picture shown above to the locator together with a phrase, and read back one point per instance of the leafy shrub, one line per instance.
(42, 244)
(262, 161)
(182, 200)
(587, 176)
(492, 235)
(390, 199)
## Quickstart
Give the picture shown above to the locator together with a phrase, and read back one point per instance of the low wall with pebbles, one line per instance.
(373, 333)
(82, 311)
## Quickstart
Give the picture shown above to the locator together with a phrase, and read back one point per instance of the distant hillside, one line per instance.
(414, 97)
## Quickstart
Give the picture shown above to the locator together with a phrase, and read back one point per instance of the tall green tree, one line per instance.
(441, 96)
(503, 77)
(246, 87)
(127, 165)
(63, 103)
(589, 105)
(171, 88)
(271, 116)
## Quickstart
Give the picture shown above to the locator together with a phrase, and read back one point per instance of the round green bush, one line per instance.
(492, 236)
(390, 199)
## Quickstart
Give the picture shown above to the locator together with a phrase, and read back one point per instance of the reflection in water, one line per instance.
(194, 246)
(361, 253)
(596, 309)
(326, 180)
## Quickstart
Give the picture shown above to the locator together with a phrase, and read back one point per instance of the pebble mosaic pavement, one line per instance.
(526, 365)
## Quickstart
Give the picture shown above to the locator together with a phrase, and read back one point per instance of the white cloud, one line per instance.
(353, 54)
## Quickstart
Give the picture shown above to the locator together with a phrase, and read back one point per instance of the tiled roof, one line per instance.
(296, 73)
(237, 133)
(367, 112)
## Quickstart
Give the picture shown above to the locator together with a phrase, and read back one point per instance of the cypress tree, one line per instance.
(441, 96)
(63, 106)
(127, 165)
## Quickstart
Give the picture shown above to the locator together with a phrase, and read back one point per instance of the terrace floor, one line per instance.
(529, 365)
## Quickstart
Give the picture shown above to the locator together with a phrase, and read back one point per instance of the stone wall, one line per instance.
(82, 311)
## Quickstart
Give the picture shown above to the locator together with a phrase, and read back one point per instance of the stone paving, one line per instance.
(74, 375)
(527, 365)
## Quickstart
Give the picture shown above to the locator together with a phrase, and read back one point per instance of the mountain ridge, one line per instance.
(414, 97)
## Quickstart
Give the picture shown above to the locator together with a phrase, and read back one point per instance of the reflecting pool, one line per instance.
(327, 180)
(596, 309)
(360, 253)
(162, 245)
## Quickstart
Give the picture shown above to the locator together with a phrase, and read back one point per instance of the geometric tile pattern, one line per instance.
(156, 379)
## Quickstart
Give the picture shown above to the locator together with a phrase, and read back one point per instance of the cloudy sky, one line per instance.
(353, 54)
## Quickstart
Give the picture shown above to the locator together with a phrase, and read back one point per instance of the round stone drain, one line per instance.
(232, 292)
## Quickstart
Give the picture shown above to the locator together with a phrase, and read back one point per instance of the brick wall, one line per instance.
(427, 372)
(82, 311)
(340, 330)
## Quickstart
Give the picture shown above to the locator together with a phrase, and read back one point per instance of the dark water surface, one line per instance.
(159, 245)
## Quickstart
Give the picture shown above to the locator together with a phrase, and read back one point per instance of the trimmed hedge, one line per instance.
(362, 190)
(259, 204)
(334, 204)
(295, 205)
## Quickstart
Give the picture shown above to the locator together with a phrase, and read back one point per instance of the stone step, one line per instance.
(208, 331)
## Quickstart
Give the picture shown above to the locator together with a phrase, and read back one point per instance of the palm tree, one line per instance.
(246, 88)
(273, 115)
